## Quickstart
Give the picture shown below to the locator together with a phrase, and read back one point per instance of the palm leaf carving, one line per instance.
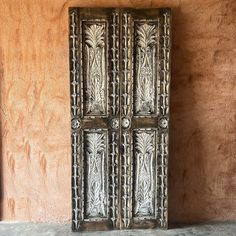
(95, 55)
(95, 146)
(146, 35)
(95, 143)
(94, 35)
(144, 143)
(144, 150)
(146, 38)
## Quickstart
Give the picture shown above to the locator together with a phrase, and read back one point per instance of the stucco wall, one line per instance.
(35, 115)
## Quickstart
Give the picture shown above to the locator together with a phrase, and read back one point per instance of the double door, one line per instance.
(119, 79)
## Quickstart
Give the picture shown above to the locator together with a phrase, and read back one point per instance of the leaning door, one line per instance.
(144, 96)
(94, 51)
(120, 75)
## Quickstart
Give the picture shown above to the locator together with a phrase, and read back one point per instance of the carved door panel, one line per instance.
(120, 74)
(145, 76)
(95, 117)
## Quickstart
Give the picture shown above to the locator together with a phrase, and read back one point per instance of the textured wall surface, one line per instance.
(35, 115)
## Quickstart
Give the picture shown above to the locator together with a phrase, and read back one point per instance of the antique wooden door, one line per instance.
(119, 78)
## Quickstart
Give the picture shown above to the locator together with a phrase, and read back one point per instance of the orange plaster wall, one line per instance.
(35, 115)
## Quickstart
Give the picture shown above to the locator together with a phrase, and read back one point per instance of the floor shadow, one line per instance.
(187, 182)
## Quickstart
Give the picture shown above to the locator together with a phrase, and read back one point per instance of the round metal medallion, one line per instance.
(163, 123)
(75, 123)
(125, 122)
(114, 123)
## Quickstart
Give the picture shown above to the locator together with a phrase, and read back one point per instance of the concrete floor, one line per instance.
(43, 229)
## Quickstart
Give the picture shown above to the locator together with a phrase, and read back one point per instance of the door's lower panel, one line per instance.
(144, 187)
(144, 162)
(99, 179)
(97, 184)
(96, 173)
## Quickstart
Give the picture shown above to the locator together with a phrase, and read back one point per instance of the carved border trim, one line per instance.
(165, 48)
(113, 193)
(76, 181)
(126, 165)
(114, 106)
(115, 64)
(126, 179)
(126, 63)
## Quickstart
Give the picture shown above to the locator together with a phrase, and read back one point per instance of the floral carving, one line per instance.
(95, 69)
(95, 155)
(145, 74)
(144, 152)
